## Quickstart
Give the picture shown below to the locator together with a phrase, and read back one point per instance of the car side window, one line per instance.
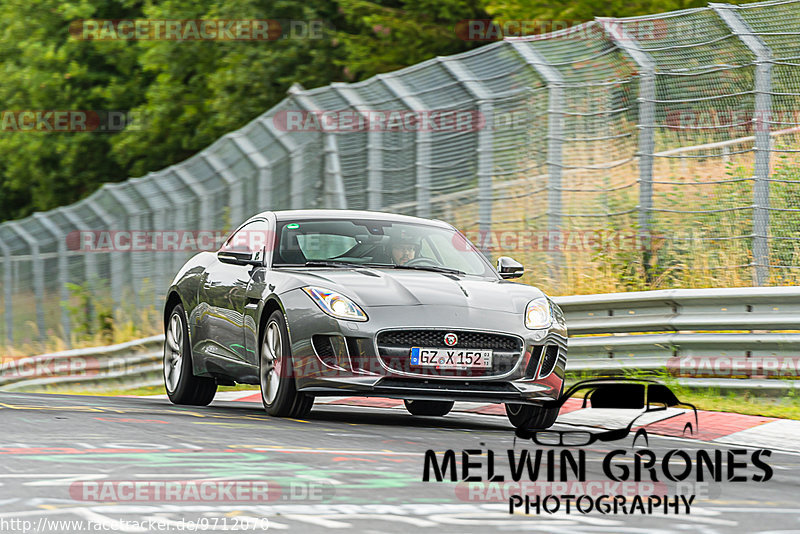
(252, 238)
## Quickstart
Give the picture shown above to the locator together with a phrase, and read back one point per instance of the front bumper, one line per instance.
(354, 363)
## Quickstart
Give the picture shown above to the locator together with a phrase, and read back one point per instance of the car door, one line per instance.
(224, 292)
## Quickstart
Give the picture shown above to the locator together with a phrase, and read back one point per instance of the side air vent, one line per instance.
(533, 364)
(549, 362)
(332, 350)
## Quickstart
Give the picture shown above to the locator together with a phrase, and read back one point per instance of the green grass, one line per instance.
(787, 407)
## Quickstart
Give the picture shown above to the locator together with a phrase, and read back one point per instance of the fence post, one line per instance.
(647, 95)
(116, 265)
(422, 144)
(131, 209)
(264, 170)
(233, 183)
(555, 136)
(8, 307)
(296, 201)
(200, 193)
(333, 185)
(761, 119)
(171, 260)
(335, 196)
(89, 259)
(63, 268)
(374, 147)
(483, 99)
(38, 274)
(158, 260)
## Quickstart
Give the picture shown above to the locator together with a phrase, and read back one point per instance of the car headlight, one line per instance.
(335, 304)
(538, 314)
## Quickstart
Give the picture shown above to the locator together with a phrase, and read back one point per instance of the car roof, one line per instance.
(293, 215)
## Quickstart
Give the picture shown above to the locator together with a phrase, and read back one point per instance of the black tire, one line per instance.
(529, 417)
(275, 364)
(428, 407)
(182, 386)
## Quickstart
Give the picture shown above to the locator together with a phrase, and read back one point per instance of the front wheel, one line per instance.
(529, 417)
(278, 391)
(428, 407)
(182, 386)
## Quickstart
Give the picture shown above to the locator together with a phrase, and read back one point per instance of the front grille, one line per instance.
(394, 349)
(435, 339)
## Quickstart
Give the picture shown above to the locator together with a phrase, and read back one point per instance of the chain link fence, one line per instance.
(635, 153)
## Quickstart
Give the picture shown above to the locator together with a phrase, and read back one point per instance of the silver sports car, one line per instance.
(317, 302)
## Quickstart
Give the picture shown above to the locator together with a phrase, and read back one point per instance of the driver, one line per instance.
(404, 249)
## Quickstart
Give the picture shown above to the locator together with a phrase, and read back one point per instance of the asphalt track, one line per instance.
(342, 468)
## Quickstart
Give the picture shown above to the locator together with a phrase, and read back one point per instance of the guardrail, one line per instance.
(704, 336)
(127, 365)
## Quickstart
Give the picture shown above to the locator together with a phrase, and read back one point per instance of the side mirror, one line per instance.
(509, 268)
(239, 257)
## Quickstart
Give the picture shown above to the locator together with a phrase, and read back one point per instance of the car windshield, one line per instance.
(376, 243)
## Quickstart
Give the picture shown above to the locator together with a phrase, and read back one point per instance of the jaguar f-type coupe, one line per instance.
(337, 302)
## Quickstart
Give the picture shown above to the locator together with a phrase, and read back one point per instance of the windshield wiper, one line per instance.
(432, 268)
(331, 263)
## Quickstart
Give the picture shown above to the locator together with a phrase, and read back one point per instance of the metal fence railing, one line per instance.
(680, 129)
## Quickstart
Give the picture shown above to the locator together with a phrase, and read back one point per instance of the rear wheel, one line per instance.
(428, 407)
(182, 386)
(528, 417)
(278, 392)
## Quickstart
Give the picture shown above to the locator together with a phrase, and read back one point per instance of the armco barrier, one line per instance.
(656, 330)
(127, 365)
(747, 328)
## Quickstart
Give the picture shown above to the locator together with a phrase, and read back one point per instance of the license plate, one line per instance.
(451, 358)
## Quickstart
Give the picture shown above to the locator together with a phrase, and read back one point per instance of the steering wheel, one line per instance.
(422, 261)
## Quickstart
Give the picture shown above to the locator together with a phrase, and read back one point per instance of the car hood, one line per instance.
(382, 287)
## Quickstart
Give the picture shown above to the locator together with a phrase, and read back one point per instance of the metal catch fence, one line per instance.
(665, 143)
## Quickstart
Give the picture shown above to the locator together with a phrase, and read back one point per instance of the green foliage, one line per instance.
(89, 316)
(188, 93)
(43, 69)
(582, 10)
